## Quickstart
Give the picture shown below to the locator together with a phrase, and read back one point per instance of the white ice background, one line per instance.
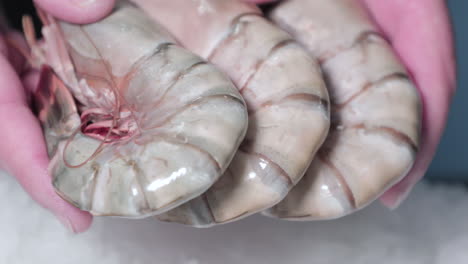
(431, 227)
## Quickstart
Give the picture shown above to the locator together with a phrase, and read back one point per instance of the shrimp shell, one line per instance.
(158, 125)
(285, 94)
(376, 110)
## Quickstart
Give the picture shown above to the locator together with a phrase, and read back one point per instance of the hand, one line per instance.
(23, 152)
(409, 26)
(420, 31)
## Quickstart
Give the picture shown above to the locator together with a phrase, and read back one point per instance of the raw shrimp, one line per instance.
(153, 125)
(375, 111)
(285, 95)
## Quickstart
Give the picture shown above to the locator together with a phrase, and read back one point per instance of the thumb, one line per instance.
(77, 11)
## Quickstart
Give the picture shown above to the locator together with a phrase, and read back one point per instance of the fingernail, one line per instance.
(395, 204)
(83, 3)
(400, 200)
(67, 223)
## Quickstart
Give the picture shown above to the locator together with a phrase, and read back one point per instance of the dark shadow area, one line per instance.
(451, 161)
(14, 10)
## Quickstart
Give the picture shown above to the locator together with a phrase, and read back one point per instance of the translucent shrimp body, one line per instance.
(285, 95)
(154, 125)
(375, 110)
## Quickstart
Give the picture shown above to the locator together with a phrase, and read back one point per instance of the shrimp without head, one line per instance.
(153, 126)
(285, 95)
(376, 110)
